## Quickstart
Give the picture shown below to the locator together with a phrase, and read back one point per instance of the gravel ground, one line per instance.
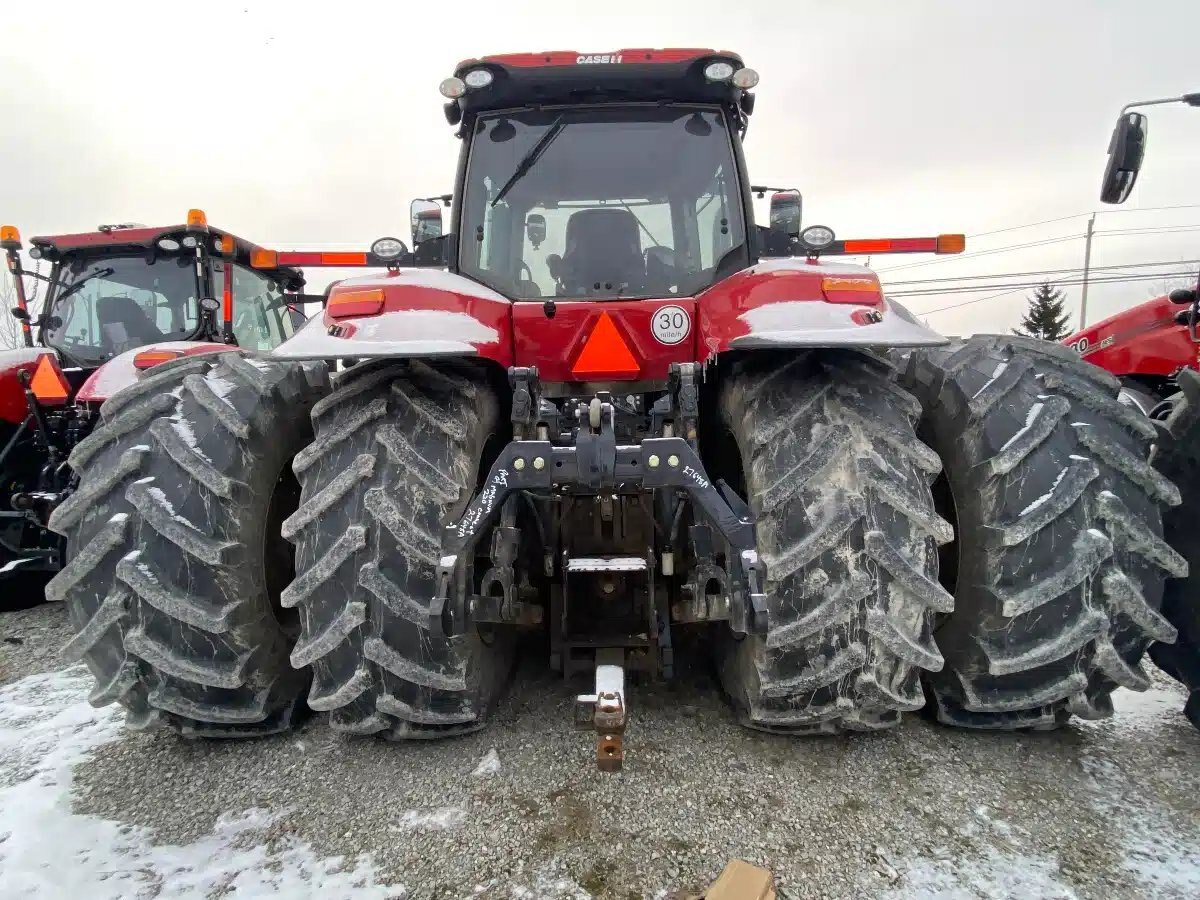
(1108, 809)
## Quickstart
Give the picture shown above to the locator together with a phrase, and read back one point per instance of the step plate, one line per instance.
(606, 564)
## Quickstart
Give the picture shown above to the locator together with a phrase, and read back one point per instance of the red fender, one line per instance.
(120, 372)
(407, 313)
(792, 302)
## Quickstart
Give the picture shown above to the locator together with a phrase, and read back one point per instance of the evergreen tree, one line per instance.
(1047, 317)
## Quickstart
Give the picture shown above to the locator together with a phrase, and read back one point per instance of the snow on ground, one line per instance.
(974, 841)
(1133, 710)
(1168, 865)
(489, 765)
(993, 874)
(1004, 862)
(48, 851)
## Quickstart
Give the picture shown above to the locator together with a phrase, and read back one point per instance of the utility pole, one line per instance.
(1087, 264)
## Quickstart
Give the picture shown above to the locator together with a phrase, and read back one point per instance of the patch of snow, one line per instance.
(1163, 865)
(549, 883)
(436, 818)
(47, 728)
(1046, 496)
(1141, 710)
(489, 765)
(187, 434)
(1029, 417)
(406, 332)
(994, 874)
(995, 374)
(1161, 855)
(220, 385)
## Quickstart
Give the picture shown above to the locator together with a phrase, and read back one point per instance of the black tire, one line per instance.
(839, 486)
(397, 454)
(1176, 455)
(1058, 563)
(1135, 395)
(175, 564)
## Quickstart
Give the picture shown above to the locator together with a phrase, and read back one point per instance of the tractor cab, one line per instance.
(612, 176)
(116, 302)
(123, 287)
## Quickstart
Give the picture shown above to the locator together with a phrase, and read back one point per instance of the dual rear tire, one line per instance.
(1046, 520)
(175, 566)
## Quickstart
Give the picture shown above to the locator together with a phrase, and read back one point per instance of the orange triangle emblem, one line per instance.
(49, 384)
(605, 354)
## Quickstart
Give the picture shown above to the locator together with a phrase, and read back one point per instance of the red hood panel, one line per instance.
(1143, 340)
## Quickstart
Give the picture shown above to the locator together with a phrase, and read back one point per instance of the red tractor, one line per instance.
(1155, 350)
(117, 302)
(606, 405)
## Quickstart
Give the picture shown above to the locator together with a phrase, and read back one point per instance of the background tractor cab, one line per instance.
(116, 301)
(1147, 345)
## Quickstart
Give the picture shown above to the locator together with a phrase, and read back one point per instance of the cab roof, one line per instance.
(126, 239)
(567, 76)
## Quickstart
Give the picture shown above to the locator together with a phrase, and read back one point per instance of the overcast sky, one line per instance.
(297, 124)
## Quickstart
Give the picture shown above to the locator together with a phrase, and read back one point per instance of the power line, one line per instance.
(1008, 248)
(930, 312)
(1026, 287)
(1082, 215)
(1114, 278)
(1157, 229)
(1169, 262)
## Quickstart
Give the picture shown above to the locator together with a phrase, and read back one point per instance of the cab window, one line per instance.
(261, 319)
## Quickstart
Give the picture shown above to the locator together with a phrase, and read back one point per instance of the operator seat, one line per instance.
(602, 247)
(124, 324)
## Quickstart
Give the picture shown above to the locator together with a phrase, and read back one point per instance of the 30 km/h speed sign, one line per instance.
(671, 324)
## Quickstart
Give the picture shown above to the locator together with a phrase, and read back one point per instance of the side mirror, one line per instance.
(1182, 295)
(1125, 152)
(426, 216)
(535, 229)
(786, 208)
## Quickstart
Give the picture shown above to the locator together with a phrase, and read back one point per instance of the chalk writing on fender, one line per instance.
(695, 476)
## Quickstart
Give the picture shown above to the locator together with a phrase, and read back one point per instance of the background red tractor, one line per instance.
(116, 302)
(607, 405)
(1155, 350)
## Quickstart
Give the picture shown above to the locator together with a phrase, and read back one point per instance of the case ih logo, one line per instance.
(598, 59)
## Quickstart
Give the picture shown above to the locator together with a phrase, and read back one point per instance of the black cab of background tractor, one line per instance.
(119, 289)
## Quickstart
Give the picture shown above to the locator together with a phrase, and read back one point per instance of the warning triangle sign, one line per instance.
(49, 384)
(605, 354)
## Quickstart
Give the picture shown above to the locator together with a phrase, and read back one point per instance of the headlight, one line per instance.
(478, 78)
(190, 242)
(452, 88)
(168, 244)
(388, 248)
(745, 79)
(817, 237)
(718, 71)
(35, 252)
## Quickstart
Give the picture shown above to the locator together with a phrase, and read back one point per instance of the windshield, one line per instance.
(619, 202)
(104, 306)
